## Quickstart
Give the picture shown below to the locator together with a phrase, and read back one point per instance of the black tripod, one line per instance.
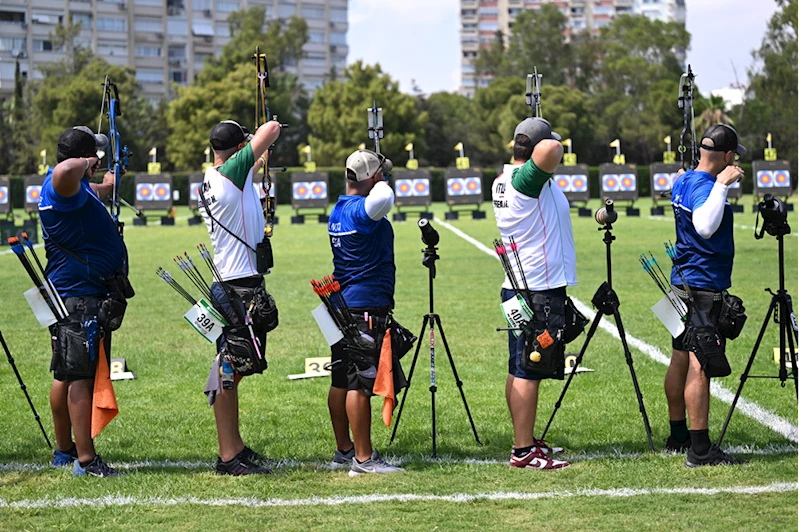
(607, 303)
(782, 308)
(24, 388)
(430, 237)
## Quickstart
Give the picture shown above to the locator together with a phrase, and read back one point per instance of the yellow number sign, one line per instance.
(42, 169)
(569, 159)
(153, 168)
(309, 166)
(412, 164)
(462, 163)
(669, 157)
(770, 154)
(619, 159)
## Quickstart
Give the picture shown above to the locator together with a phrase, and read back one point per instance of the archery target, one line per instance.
(318, 190)
(301, 191)
(473, 185)
(3, 195)
(194, 191)
(456, 187)
(663, 181)
(32, 193)
(610, 183)
(421, 187)
(144, 192)
(579, 183)
(404, 188)
(563, 182)
(162, 191)
(782, 178)
(765, 179)
(627, 182)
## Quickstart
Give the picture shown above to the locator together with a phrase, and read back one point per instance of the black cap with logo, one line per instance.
(724, 138)
(228, 134)
(79, 141)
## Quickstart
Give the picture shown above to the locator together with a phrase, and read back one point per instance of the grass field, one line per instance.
(165, 437)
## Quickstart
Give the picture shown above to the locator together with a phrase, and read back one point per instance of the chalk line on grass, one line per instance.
(456, 498)
(746, 407)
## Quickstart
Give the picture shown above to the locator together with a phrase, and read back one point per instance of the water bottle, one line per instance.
(227, 375)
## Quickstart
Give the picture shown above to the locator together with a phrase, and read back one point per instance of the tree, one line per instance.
(338, 121)
(451, 118)
(23, 156)
(714, 112)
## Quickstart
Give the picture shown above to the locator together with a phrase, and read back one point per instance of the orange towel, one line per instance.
(104, 403)
(384, 382)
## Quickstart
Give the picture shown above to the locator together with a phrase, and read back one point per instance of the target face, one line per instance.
(3, 195)
(455, 186)
(579, 183)
(32, 193)
(563, 182)
(162, 191)
(627, 182)
(765, 179)
(473, 185)
(404, 188)
(302, 191)
(782, 178)
(144, 192)
(662, 181)
(610, 182)
(194, 191)
(421, 187)
(318, 190)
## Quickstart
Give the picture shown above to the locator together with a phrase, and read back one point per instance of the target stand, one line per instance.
(464, 187)
(309, 191)
(6, 211)
(412, 189)
(619, 182)
(573, 182)
(153, 193)
(195, 182)
(772, 177)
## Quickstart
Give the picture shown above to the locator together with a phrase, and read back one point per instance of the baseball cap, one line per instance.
(228, 134)
(365, 164)
(536, 129)
(724, 138)
(79, 141)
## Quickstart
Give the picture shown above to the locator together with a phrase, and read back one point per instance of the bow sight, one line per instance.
(533, 96)
(685, 101)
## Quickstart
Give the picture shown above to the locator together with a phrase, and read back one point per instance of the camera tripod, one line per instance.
(607, 303)
(782, 307)
(432, 320)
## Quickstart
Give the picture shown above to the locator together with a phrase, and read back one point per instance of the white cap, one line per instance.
(365, 164)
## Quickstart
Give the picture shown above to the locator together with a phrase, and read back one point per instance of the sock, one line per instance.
(345, 452)
(522, 451)
(85, 464)
(679, 430)
(700, 441)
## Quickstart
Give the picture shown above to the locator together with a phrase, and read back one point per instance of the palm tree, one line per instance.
(714, 113)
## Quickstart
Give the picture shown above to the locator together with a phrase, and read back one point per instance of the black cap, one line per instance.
(79, 141)
(228, 134)
(724, 138)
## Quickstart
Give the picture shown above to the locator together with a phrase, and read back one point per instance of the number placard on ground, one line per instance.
(205, 320)
(317, 365)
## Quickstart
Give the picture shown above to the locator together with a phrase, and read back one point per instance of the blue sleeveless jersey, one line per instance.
(82, 225)
(705, 263)
(363, 254)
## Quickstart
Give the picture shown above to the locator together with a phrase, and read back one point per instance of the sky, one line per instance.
(419, 41)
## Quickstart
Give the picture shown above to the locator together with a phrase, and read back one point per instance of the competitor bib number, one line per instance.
(516, 312)
(205, 320)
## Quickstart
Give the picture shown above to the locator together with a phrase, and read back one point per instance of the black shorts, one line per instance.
(220, 295)
(703, 298)
(73, 358)
(344, 374)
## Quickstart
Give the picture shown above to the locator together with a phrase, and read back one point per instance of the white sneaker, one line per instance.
(342, 460)
(375, 464)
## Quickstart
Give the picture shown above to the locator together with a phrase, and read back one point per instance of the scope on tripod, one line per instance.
(429, 235)
(606, 215)
(775, 217)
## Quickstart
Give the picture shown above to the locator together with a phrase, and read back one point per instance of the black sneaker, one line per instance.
(254, 457)
(675, 446)
(714, 457)
(96, 468)
(238, 466)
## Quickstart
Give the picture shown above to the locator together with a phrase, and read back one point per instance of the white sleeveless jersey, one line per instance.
(542, 230)
(240, 211)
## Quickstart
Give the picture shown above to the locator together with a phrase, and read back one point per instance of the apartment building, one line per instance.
(166, 41)
(481, 19)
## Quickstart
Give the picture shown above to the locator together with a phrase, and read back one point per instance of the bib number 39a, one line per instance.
(205, 320)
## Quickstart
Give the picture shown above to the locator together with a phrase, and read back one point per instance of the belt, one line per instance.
(682, 294)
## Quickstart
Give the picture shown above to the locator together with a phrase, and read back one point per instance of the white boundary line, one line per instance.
(457, 498)
(746, 407)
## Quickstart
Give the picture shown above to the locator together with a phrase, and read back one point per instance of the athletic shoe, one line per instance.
(96, 468)
(675, 446)
(254, 457)
(536, 459)
(714, 457)
(63, 459)
(342, 460)
(238, 466)
(546, 449)
(375, 464)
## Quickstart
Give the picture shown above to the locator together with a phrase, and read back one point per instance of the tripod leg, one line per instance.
(410, 376)
(24, 389)
(577, 362)
(433, 387)
(628, 355)
(786, 324)
(745, 374)
(457, 378)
